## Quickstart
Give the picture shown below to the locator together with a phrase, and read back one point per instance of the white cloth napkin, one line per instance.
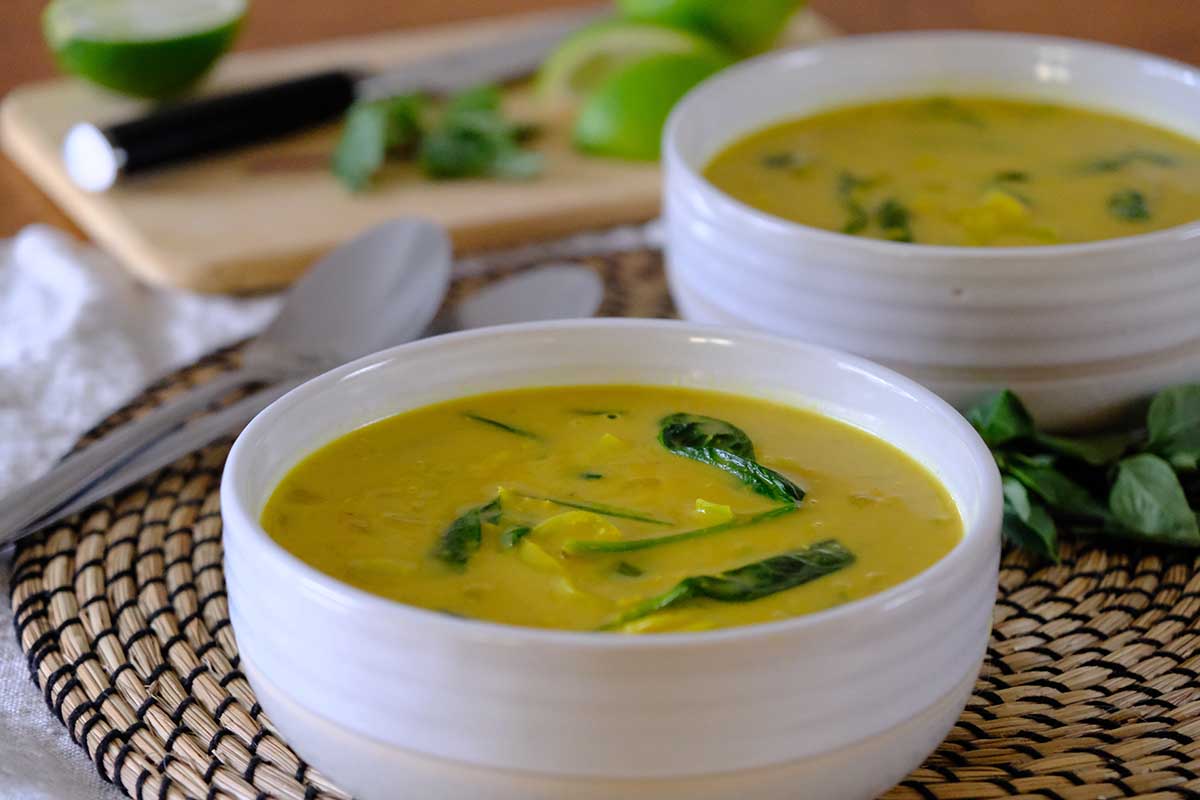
(78, 337)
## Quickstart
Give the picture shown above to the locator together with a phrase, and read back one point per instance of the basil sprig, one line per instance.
(1123, 484)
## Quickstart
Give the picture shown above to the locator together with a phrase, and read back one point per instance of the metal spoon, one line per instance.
(550, 292)
(380, 288)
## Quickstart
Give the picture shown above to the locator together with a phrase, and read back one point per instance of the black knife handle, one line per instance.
(190, 129)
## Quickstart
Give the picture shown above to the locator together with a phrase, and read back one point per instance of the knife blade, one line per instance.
(96, 158)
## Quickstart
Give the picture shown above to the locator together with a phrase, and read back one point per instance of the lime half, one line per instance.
(624, 116)
(145, 48)
(588, 56)
(746, 26)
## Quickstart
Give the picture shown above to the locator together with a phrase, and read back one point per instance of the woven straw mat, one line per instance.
(1089, 688)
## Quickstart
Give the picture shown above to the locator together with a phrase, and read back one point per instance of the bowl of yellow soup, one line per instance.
(611, 558)
(973, 209)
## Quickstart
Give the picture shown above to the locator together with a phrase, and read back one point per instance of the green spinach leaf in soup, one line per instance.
(726, 447)
(463, 537)
(749, 582)
(1129, 205)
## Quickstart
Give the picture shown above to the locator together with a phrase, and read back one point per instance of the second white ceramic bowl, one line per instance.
(844, 701)
(967, 315)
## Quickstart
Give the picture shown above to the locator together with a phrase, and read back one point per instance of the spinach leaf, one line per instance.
(1129, 205)
(1011, 176)
(1119, 161)
(591, 476)
(726, 447)
(504, 426)
(460, 541)
(583, 547)
(894, 220)
(1147, 499)
(1026, 522)
(1059, 491)
(1173, 425)
(511, 537)
(601, 509)
(694, 430)
(1000, 418)
(750, 582)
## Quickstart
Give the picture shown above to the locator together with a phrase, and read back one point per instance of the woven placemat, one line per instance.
(1090, 687)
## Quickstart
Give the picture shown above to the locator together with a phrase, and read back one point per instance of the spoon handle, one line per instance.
(44, 495)
(169, 448)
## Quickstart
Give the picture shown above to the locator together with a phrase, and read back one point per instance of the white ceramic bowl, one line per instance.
(967, 315)
(380, 694)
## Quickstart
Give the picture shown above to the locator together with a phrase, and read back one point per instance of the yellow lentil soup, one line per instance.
(967, 171)
(633, 509)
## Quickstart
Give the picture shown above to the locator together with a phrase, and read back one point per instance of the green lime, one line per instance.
(624, 116)
(746, 26)
(585, 58)
(145, 48)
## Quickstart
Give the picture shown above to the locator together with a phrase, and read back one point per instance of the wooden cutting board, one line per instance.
(256, 218)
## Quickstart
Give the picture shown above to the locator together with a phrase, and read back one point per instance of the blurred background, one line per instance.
(1168, 27)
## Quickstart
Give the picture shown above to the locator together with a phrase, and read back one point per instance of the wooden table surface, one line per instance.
(1169, 27)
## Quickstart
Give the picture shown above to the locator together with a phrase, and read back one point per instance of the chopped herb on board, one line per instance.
(1134, 484)
(469, 136)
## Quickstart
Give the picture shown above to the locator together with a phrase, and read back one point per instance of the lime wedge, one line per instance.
(624, 116)
(585, 58)
(145, 48)
(745, 26)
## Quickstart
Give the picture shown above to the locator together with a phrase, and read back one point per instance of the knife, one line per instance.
(96, 158)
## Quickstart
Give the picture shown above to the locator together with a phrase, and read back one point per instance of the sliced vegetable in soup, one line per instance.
(632, 509)
(967, 171)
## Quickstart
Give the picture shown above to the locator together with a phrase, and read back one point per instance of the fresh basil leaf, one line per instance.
(693, 430)
(1059, 491)
(1148, 500)
(1099, 451)
(460, 541)
(1000, 417)
(1026, 522)
(750, 582)
(1173, 425)
(1129, 205)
